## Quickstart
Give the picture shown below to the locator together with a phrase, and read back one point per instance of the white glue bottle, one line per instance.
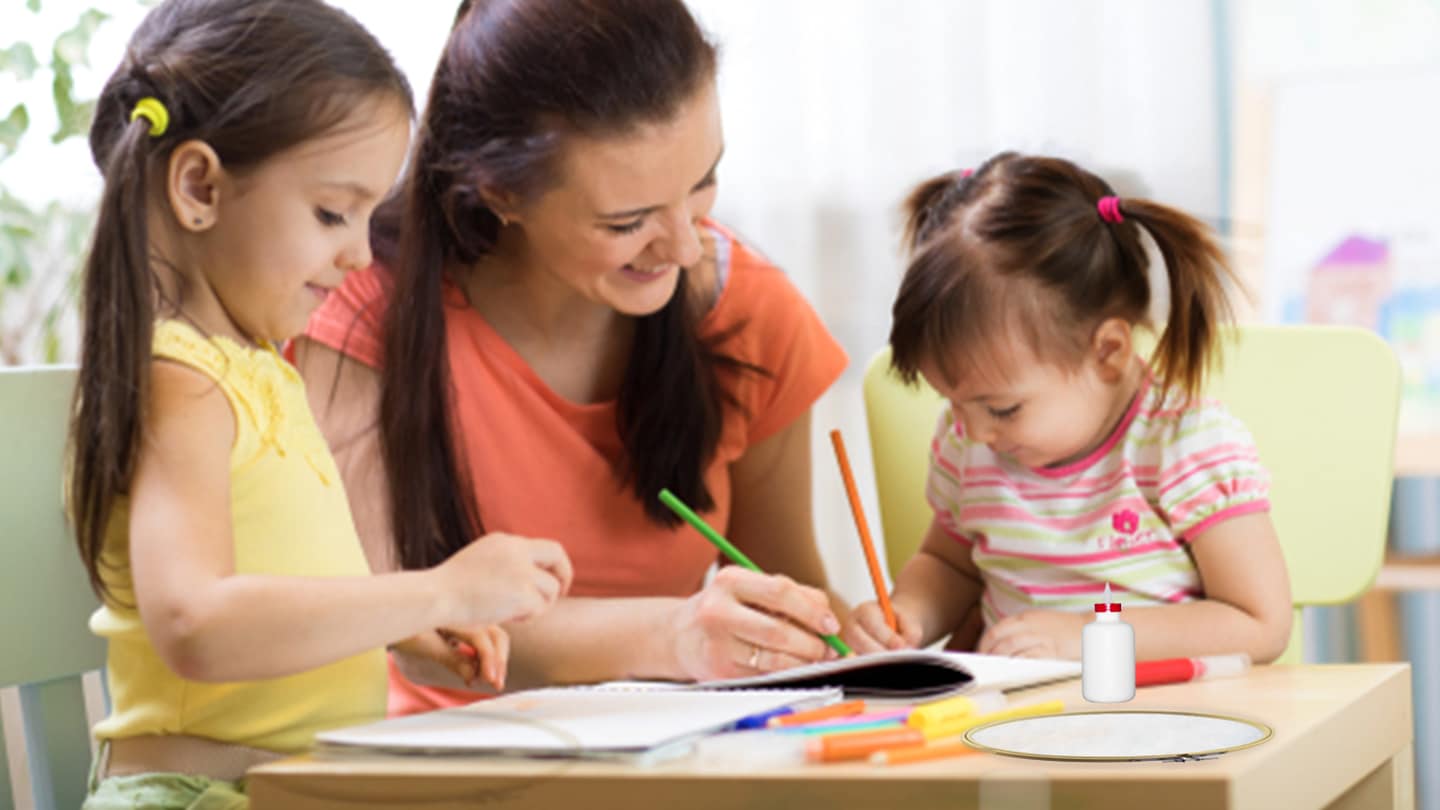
(1107, 655)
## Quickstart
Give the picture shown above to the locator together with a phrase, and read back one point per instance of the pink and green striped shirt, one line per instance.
(1051, 538)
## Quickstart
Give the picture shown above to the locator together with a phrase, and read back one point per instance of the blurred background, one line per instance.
(1305, 132)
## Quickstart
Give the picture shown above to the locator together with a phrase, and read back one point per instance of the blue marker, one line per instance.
(761, 720)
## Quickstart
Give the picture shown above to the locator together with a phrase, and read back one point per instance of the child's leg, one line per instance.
(166, 791)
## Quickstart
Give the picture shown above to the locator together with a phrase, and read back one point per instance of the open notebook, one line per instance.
(912, 674)
(602, 721)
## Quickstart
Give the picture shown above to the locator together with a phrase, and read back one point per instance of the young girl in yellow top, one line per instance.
(244, 145)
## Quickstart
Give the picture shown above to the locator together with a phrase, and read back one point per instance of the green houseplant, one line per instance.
(42, 244)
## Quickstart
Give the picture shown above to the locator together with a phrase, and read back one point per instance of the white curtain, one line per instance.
(834, 109)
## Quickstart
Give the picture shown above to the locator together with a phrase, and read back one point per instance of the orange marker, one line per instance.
(863, 528)
(921, 753)
(859, 745)
(843, 709)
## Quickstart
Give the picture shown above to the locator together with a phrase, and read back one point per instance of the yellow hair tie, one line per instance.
(153, 111)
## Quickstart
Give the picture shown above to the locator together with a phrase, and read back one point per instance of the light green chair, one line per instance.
(46, 649)
(1321, 402)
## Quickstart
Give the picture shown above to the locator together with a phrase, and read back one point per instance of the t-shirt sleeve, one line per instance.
(1210, 472)
(776, 329)
(349, 319)
(942, 485)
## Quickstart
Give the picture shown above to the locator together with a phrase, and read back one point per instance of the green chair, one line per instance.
(1321, 402)
(49, 690)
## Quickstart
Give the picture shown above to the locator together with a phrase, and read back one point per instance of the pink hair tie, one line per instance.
(964, 173)
(1109, 208)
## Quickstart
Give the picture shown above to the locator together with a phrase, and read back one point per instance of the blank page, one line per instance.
(572, 721)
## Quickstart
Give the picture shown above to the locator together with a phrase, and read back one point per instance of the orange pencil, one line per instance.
(842, 709)
(843, 746)
(920, 753)
(864, 528)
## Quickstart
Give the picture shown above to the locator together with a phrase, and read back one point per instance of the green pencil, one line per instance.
(736, 555)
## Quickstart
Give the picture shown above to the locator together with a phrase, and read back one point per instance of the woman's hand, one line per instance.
(1035, 634)
(867, 632)
(745, 623)
(503, 578)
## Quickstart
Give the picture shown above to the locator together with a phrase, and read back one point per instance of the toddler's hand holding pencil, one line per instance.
(868, 629)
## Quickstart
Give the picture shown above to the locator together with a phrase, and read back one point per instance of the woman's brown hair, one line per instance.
(1019, 247)
(250, 78)
(514, 81)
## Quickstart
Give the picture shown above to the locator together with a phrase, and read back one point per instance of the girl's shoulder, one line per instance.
(262, 390)
(1172, 426)
(227, 362)
(188, 401)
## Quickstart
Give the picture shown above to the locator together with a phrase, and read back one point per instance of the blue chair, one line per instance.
(50, 688)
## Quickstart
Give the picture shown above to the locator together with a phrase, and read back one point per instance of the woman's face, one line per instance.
(621, 222)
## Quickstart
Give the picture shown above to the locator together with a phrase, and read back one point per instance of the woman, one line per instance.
(555, 331)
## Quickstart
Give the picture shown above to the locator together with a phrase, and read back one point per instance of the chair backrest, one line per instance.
(45, 601)
(1321, 402)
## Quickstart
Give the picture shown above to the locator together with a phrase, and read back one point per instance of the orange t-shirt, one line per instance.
(544, 466)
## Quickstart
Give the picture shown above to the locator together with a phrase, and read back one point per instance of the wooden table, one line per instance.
(1343, 740)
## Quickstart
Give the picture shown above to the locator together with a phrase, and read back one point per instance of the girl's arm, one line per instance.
(939, 586)
(211, 624)
(579, 640)
(934, 592)
(1246, 606)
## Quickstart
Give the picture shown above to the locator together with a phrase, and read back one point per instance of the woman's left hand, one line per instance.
(1035, 634)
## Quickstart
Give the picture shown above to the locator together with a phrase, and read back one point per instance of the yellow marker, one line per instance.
(959, 726)
(940, 712)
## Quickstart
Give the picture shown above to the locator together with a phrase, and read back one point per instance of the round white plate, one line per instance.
(1118, 735)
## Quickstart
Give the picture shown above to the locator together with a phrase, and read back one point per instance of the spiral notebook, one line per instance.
(912, 674)
(607, 721)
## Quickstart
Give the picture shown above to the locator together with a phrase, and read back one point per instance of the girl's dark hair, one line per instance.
(250, 78)
(515, 80)
(1018, 247)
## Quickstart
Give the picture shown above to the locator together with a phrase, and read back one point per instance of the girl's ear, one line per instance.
(1111, 348)
(192, 185)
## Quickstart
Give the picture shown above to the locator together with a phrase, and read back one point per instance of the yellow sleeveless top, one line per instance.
(289, 517)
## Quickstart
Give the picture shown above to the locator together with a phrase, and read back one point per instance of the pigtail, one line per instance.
(928, 207)
(106, 411)
(1198, 273)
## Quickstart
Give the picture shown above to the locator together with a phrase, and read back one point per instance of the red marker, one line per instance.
(1180, 670)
